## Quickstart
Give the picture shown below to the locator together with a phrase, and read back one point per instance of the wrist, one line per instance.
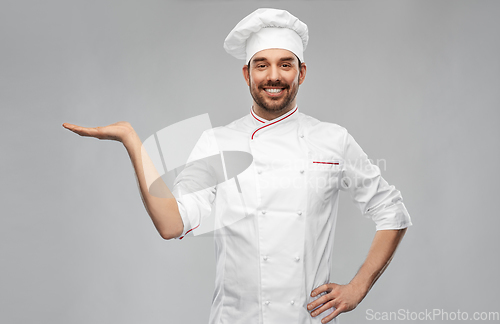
(361, 288)
(131, 139)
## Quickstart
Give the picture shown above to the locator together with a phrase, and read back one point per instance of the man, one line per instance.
(274, 244)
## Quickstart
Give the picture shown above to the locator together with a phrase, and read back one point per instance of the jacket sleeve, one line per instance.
(196, 185)
(375, 198)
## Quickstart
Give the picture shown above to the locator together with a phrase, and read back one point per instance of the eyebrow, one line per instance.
(259, 59)
(283, 59)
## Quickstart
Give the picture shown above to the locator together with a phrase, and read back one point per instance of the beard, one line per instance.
(273, 105)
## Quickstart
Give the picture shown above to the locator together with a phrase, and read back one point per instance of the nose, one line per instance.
(274, 74)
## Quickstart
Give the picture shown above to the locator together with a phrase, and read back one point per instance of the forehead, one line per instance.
(274, 54)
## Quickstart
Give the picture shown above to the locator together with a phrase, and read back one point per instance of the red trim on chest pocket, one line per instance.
(335, 163)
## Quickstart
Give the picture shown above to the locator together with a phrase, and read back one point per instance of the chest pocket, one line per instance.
(323, 175)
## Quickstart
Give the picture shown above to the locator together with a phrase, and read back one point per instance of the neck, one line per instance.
(270, 115)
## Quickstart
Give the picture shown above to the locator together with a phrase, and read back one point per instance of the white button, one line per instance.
(263, 212)
(265, 257)
(297, 258)
(292, 302)
(301, 171)
(301, 135)
(259, 172)
(267, 302)
(299, 212)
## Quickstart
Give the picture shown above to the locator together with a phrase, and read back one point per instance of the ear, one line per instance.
(302, 74)
(246, 74)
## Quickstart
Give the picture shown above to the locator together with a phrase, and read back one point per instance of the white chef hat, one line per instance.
(267, 28)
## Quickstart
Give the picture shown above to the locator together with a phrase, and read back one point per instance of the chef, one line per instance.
(275, 221)
(274, 245)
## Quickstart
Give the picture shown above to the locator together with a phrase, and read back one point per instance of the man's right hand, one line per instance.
(163, 209)
(117, 132)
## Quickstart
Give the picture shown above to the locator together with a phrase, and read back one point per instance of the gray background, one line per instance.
(416, 83)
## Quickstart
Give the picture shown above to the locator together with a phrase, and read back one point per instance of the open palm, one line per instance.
(116, 132)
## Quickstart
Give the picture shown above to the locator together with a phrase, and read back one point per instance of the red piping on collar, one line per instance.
(258, 129)
(251, 111)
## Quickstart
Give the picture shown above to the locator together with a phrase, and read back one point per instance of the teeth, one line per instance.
(273, 90)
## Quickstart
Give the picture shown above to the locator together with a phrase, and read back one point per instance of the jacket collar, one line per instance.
(261, 123)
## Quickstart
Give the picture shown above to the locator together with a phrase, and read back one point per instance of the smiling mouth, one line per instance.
(273, 90)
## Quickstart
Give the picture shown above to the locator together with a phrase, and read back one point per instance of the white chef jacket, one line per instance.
(274, 239)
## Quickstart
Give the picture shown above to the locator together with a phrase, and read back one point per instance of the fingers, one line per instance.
(328, 318)
(325, 302)
(322, 288)
(116, 132)
(73, 128)
(326, 288)
(326, 306)
(67, 125)
(318, 302)
(332, 304)
(82, 131)
(340, 298)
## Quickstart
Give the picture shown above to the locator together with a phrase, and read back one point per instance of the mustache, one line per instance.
(275, 84)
